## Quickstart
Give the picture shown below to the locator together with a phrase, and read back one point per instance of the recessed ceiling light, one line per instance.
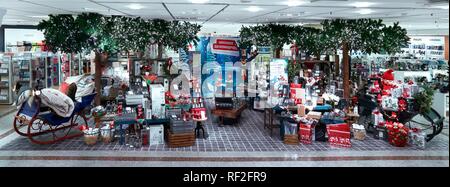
(254, 8)
(445, 7)
(199, 1)
(43, 17)
(135, 6)
(295, 2)
(365, 11)
(362, 4)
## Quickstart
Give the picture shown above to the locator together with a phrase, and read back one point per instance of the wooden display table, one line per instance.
(228, 113)
(352, 118)
(180, 140)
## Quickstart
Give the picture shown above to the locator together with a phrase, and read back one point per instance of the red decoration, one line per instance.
(305, 133)
(388, 75)
(339, 135)
(397, 133)
(402, 105)
(83, 127)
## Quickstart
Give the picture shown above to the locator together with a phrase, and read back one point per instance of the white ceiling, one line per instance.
(223, 14)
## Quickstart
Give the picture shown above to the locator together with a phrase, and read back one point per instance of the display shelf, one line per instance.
(5, 79)
(22, 69)
(38, 70)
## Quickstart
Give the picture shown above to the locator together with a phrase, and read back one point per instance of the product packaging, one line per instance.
(305, 133)
(397, 133)
(339, 135)
(417, 138)
(359, 132)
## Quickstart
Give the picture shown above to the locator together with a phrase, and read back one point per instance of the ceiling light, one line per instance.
(135, 6)
(295, 2)
(445, 7)
(365, 11)
(254, 8)
(43, 17)
(362, 4)
(199, 1)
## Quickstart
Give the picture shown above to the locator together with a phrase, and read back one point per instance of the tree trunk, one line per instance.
(327, 57)
(277, 53)
(160, 50)
(336, 64)
(318, 56)
(346, 70)
(98, 78)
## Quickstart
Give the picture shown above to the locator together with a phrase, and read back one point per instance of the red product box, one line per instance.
(305, 133)
(196, 112)
(339, 135)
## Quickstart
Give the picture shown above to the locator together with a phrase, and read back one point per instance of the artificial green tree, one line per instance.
(105, 35)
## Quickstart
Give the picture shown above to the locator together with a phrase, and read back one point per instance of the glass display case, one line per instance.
(22, 69)
(5, 79)
(38, 70)
(76, 65)
(65, 66)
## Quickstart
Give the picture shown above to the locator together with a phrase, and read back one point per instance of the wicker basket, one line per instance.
(90, 139)
(180, 140)
(359, 134)
(291, 139)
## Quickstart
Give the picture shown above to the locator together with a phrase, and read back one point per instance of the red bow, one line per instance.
(402, 105)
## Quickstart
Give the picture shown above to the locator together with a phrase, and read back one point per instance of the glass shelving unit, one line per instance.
(5, 79)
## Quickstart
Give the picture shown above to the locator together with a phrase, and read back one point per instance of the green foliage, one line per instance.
(262, 35)
(181, 34)
(424, 99)
(366, 35)
(279, 35)
(293, 70)
(394, 38)
(92, 31)
(246, 37)
(61, 33)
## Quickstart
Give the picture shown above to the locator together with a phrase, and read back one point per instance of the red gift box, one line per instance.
(305, 133)
(293, 92)
(339, 135)
(397, 133)
(196, 113)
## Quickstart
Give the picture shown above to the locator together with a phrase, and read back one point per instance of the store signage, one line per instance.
(219, 55)
(264, 50)
(225, 46)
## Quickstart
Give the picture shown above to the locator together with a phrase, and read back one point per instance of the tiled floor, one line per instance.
(6, 109)
(248, 136)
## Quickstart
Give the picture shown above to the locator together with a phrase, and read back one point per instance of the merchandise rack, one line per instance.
(38, 70)
(22, 69)
(5, 79)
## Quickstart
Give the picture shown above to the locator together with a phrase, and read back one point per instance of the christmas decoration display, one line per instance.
(417, 137)
(339, 135)
(424, 99)
(104, 35)
(397, 133)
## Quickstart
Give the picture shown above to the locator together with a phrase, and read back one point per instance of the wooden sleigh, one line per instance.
(44, 127)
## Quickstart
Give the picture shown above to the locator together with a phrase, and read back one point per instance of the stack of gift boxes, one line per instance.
(394, 97)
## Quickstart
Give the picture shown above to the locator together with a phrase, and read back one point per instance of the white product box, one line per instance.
(158, 100)
(156, 135)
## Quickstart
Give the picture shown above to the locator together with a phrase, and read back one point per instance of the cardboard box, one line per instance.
(320, 101)
(156, 134)
(301, 110)
(314, 115)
